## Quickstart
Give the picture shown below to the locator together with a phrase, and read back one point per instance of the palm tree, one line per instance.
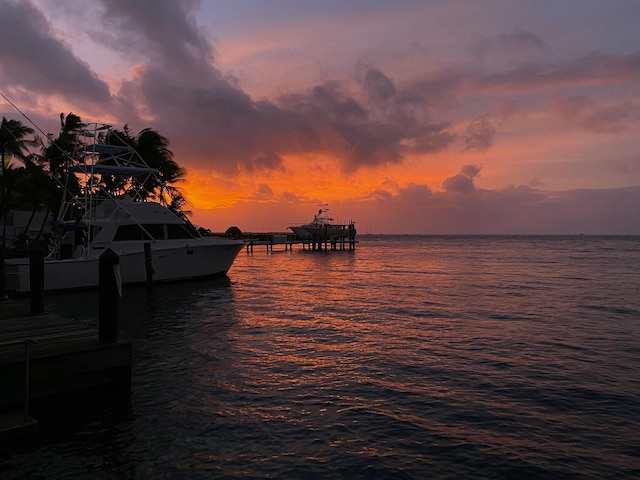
(153, 149)
(13, 143)
(60, 154)
(37, 188)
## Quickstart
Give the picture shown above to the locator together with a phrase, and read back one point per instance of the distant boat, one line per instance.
(152, 241)
(323, 228)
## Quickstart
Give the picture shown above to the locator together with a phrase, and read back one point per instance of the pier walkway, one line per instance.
(312, 243)
(45, 355)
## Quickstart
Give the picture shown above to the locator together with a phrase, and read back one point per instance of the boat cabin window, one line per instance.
(150, 232)
(131, 232)
(177, 231)
(156, 230)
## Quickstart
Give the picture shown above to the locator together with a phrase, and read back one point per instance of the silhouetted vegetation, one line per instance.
(41, 177)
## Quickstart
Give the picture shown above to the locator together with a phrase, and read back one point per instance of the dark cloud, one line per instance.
(463, 181)
(480, 133)
(268, 161)
(377, 86)
(177, 90)
(326, 102)
(471, 171)
(160, 33)
(220, 126)
(459, 183)
(438, 140)
(414, 194)
(381, 195)
(32, 58)
(482, 129)
(392, 124)
(236, 130)
(210, 119)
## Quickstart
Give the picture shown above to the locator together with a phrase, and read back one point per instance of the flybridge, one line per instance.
(101, 169)
(112, 160)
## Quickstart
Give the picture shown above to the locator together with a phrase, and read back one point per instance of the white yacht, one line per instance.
(151, 240)
(322, 227)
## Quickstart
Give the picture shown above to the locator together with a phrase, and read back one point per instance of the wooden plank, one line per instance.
(66, 357)
(67, 371)
(50, 332)
(12, 308)
(51, 346)
(14, 426)
(45, 320)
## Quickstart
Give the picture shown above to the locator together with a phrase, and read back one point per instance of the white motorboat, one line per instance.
(323, 228)
(152, 241)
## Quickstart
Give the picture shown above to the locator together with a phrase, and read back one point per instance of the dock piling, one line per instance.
(2, 280)
(148, 264)
(25, 413)
(109, 297)
(36, 280)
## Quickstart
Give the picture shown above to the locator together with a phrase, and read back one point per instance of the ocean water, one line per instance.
(471, 357)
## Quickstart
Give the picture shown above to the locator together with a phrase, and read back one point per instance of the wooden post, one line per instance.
(36, 280)
(109, 297)
(148, 265)
(2, 281)
(352, 237)
(25, 408)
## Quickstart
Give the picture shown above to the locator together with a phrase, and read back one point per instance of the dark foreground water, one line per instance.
(414, 357)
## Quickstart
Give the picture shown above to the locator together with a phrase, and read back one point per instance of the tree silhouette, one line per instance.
(153, 149)
(13, 143)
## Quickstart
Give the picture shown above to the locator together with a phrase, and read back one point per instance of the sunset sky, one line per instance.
(425, 116)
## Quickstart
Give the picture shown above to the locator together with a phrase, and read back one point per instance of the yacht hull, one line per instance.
(169, 263)
(301, 232)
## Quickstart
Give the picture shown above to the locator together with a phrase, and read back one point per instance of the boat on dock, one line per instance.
(153, 239)
(322, 228)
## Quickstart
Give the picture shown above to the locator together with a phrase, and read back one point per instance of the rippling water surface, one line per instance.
(412, 357)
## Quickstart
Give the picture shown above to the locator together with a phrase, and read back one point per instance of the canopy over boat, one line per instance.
(105, 149)
(102, 169)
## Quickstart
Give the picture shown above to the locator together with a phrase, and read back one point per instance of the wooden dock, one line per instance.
(313, 243)
(45, 355)
(322, 243)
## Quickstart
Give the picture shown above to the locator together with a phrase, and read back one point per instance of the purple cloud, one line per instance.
(480, 133)
(33, 58)
(161, 33)
(463, 181)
